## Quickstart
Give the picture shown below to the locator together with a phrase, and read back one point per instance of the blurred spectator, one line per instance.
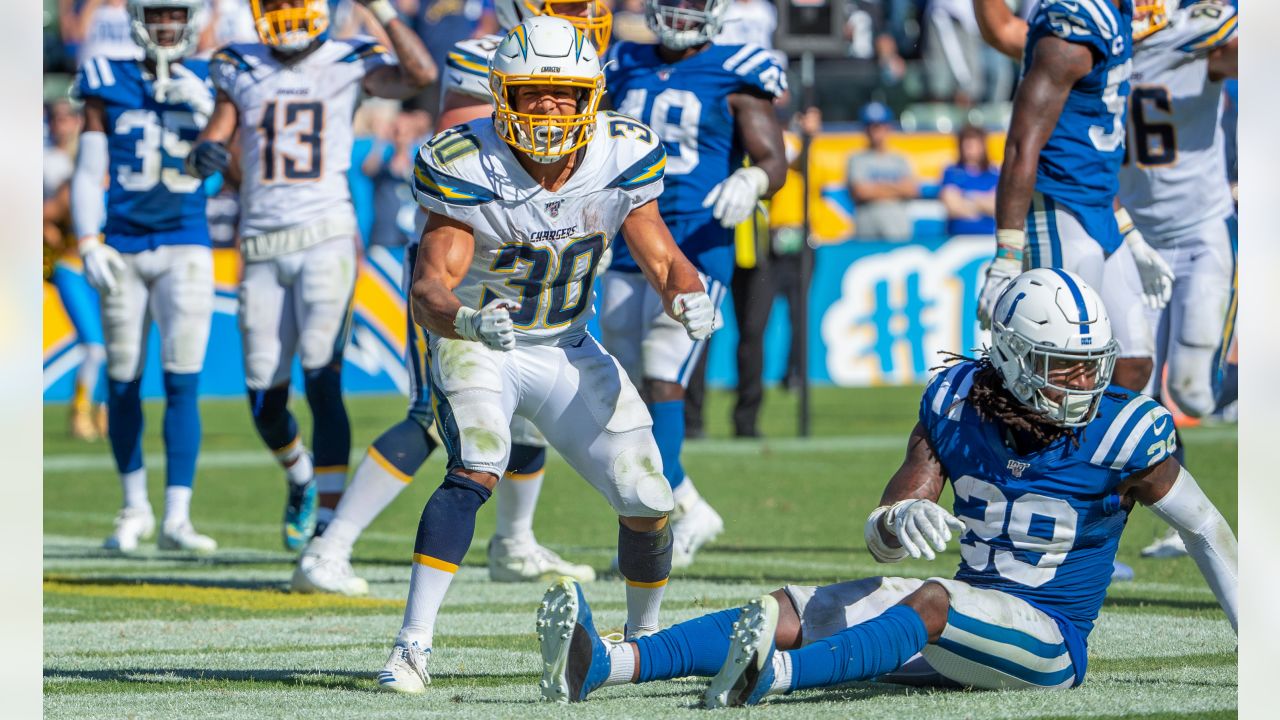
(629, 24)
(868, 31)
(371, 128)
(881, 181)
(749, 22)
(953, 52)
(62, 125)
(230, 21)
(760, 277)
(441, 24)
(97, 28)
(390, 167)
(969, 187)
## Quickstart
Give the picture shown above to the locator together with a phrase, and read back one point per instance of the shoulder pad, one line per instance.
(637, 150)
(227, 63)
(758, 69)
(95, 76)
(1089, 22)
(467, 65)
(944, 395)
(440, 170)
(1134, 437)
(1206, 25)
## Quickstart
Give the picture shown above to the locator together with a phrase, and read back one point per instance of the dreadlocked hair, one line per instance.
(994, 403)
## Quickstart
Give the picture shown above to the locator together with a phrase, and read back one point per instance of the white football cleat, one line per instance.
(406, 669)
(696, 526)
(517, 561)
(132, 525)
(322, 570)
(183, 537)
(1169, 545)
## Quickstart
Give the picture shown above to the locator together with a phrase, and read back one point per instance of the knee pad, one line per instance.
(639, 488)
(526, 460)
(271, 416)
(644, 557)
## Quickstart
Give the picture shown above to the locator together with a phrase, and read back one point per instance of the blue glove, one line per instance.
(208, 158)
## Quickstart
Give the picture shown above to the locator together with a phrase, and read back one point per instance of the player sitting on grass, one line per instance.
(1046, 462)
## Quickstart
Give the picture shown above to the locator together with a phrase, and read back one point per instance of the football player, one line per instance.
(522, 207)
(291, 98)
(708, 104)
(1054, 201)
(389, 465)
(1045, 462)
(1173, 189)
(147, 252)
(64, 271)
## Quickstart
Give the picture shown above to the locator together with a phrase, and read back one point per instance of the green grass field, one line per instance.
(161, 635)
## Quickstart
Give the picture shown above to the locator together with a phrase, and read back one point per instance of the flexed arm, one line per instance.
(668, 270)
(909, 520)
(415, 71)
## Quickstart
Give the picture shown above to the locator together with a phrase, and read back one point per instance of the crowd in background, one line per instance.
(908, 65)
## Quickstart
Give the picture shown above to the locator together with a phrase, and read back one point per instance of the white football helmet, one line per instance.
(592, 17)
(185, 35)
(1048, 325)
(681, 24)
(545, 51)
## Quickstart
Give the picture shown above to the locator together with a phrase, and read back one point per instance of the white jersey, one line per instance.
(295, 129)
(1174, 176)
(467, 69)
(532, 245)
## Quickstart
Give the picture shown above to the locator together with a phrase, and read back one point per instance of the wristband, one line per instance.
(382, 11)
(1124, 222)
(464, 323)
(1010, 244)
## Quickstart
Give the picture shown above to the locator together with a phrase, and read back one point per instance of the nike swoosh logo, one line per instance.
(1159, 426)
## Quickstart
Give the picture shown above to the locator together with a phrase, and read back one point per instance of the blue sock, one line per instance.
(668, 432)
(695, 647)
(449, 519)
(181, 428)
(862, 652)
(124, 423)
(331, 428)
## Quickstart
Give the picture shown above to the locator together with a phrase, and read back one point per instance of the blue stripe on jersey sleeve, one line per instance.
(364, 50)
(1219, 35)
(468, 63)
(643, 172)
(446, 188)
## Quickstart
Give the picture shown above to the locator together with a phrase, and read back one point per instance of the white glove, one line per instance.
(735, 197)
(1006, 266)
(490, 325)
(921, 523)
(1155, 273)
(695, 311)
(187, 89)
(103, 265)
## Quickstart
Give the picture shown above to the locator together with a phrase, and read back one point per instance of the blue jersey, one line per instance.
(1044, 526)
(1079, 164)
(687, 104)
(151, 201)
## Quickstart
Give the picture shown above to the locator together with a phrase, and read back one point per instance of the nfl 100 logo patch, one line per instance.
(1017, 467)
(553, 208)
